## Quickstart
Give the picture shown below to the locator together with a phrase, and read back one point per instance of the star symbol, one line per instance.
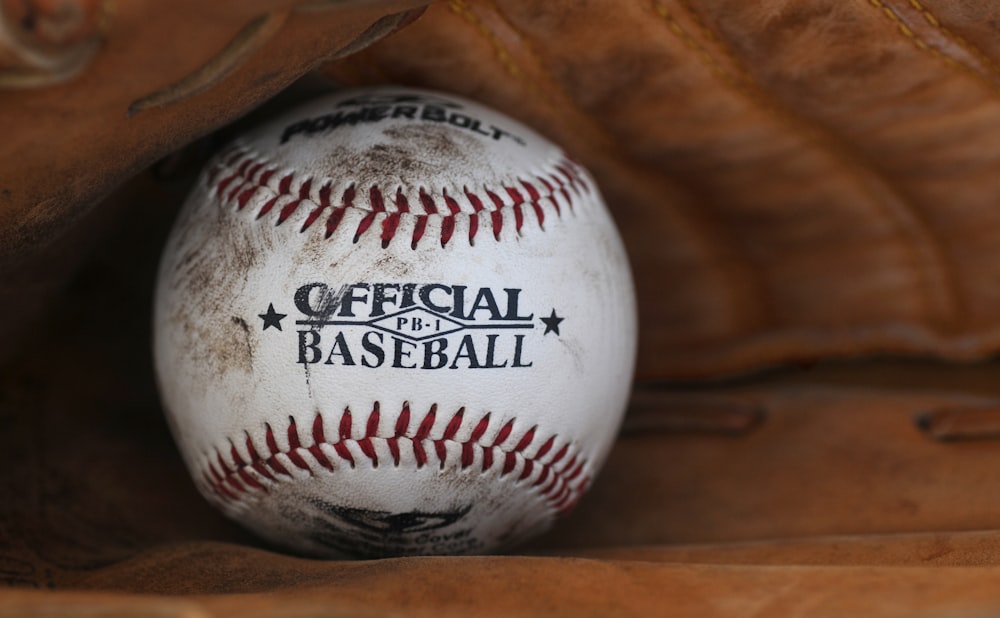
(552, 323)
(271, 318)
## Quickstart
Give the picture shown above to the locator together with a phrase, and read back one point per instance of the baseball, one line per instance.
(394, 322)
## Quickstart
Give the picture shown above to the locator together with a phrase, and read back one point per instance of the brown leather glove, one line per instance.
(93, 91)
(795, 181)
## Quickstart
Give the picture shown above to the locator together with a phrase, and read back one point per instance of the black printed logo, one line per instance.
(385, 522)
(427, 326)
(374, 108)
(366, 532)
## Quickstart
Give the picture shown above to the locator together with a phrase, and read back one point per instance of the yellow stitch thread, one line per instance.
(459, 7)
(745, 85)
(926, 14)
(810, 133)
(931, 19)
(742, 75)
(705, 30)
(562, 99)
(933, 51)
(951, 36)
(917, 41)
(739, 82)
(687, 40)
(535, 57)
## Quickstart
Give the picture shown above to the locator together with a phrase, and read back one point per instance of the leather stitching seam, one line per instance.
(596, 136)
(813, 133)
(926, 47)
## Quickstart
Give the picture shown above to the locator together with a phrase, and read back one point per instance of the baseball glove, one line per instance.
(806, 194)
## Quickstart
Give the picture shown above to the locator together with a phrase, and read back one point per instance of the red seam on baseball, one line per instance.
(541, 477)
(372, 426)
(424, 429)
(418, 230)
(473, 229)
(334, 220)
(344, 452)
(402, 204)
(294, 445)
(239, 164)
(526, 440)
(481, 427)
(376, 200)
(539, 213)
(236, 189)
(419, 453)
(477, 204)
(442, 452)
(560, 454)
(389, 225)
(497, 218)
(509, 461)
(225, 182)
(268, 205)
(504, 433)
(285, 184)
(236, 455)
(403, 421)
(453, 206)
(290, 207)
(249, 479)
(554, 482)
(244, 197)
(366, 223)
(428, 202)
(546, 447)
(447, 229)
(394, 450)
(369, 450)
(453, 425)
(346, 421)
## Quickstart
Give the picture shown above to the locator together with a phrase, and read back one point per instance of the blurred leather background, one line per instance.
(808, 192)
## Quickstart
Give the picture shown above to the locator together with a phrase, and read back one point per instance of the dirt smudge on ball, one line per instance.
(404, 157)
(208, 278)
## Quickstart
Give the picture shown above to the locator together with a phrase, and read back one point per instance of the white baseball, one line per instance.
(394, 322)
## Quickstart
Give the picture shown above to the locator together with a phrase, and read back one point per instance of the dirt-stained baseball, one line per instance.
(394, 322)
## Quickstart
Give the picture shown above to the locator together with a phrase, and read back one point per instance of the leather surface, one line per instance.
(796, 182)
(163, 75)
(807, 491)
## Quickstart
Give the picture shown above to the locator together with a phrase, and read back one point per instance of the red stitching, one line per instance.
(240, 175)
(560, 482)
(426, 200)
